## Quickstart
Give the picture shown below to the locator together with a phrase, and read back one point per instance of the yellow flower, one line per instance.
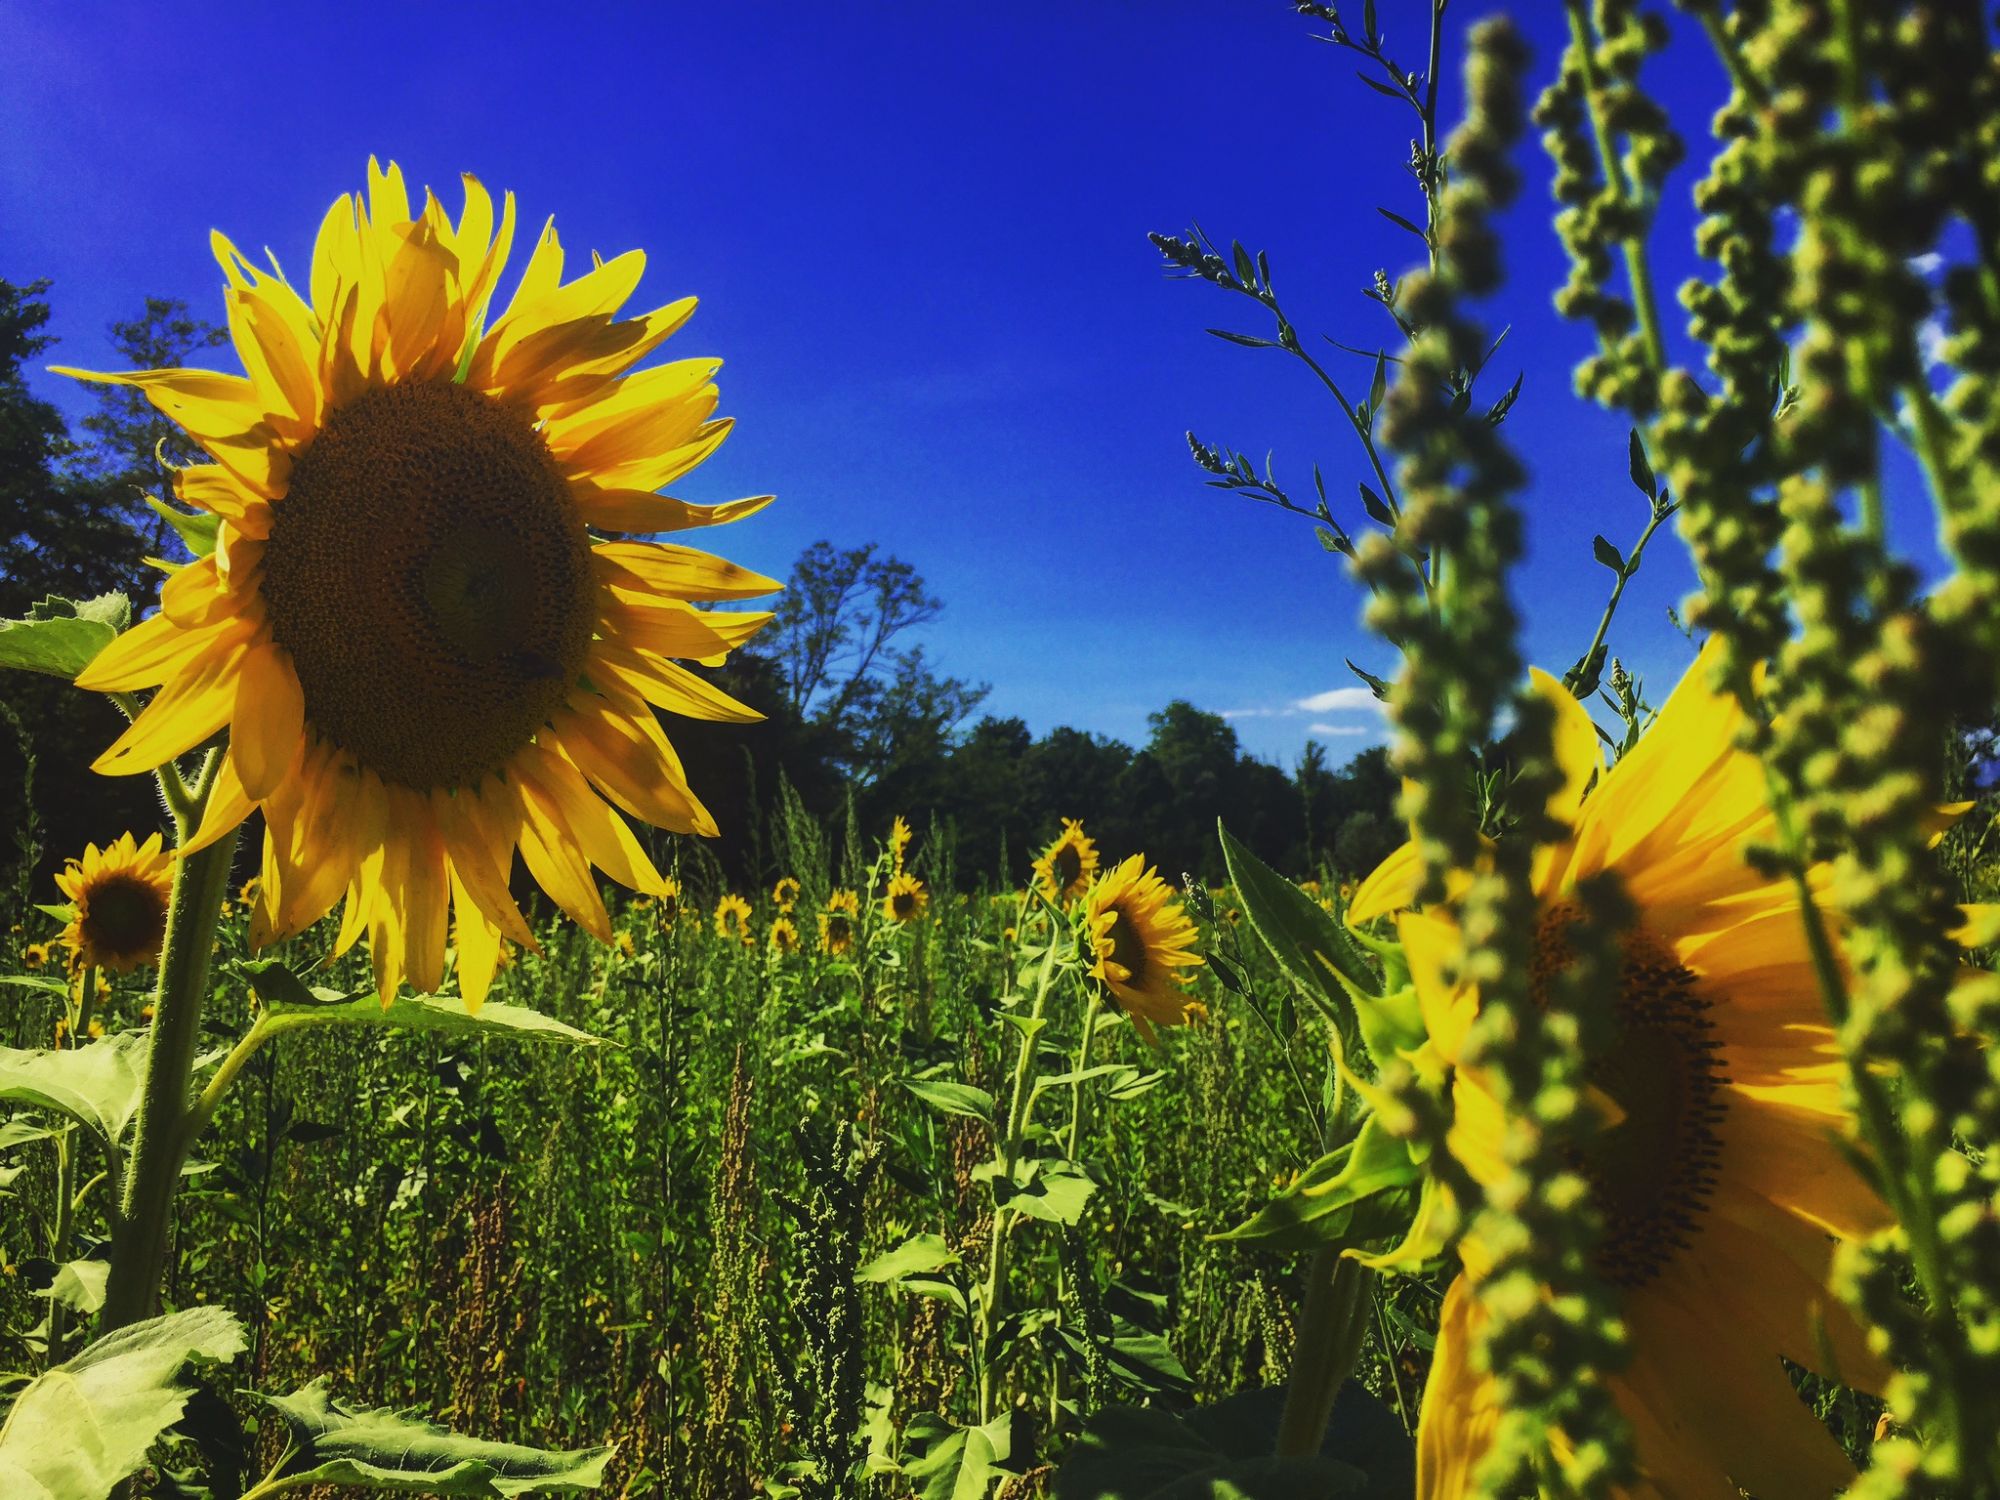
(35, 955)
(1009, 935)
(1140, 935)
(1065, 869)
(732, 919)
(120, 896)
(906, 898)
(624, 944)
(784, 936)
(1719, 1174)
(899, 840)
(669, 900)
(785, 894)
(837, 922)
(424, 652)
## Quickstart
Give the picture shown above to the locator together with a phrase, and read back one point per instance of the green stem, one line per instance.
(1077, 1102)
(1575, 674)
(992, 1294)
(1638, 273)
(139, 1246)
(1339, 1302)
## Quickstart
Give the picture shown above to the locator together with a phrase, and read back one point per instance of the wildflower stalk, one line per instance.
(1009, 1146)
(139, 1239)
(1078, 1101)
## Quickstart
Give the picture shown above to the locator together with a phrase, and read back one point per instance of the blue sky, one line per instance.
(918, 234)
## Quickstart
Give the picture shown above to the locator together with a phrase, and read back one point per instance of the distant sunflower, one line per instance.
(669, 901)
(784, 936)
(1140, 935)
(838, 921)
(36, 955)
(1065, 869)
(732, 919)
(120, 895)
(425, 655)
(899, 841)
(785, 894)
(906, 898)
(1722, 1182)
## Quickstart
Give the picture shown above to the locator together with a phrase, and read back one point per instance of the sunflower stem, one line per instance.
(139, 1244)
(66, 1190)
(1340, 1295)
(993, 1293)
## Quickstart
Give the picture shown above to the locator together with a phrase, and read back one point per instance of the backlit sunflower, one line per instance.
(732, 919)
(838, 921)
(899, 841)
(426, 655)
(906, 898)
(784, 936)
(1720, 1178)
(120, 895)
(1140, 935)
(1065, 869)
(785, 894)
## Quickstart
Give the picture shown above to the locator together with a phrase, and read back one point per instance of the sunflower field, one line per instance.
(420, 1104)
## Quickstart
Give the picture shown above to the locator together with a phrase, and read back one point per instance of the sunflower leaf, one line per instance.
(918, 1254)
(1324, 1206)
(60, 636)
(952, 1098)
(375, 1448)
(98, 1083)
(290, 1004)
(81, 1427)
(197, 528)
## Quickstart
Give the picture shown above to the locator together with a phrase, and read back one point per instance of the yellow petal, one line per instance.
(478, 941)
(628, 758)
(668, 685)
(1391, 886)
(602, 835)
(641, 511)
(193, 705)
(1578, 750)
(559, 868)
(269, 720)
(647, 569)
(480, 870)
(227, 806)
(1461, 1408)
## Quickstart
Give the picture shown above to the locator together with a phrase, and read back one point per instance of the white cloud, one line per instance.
(1252, 713)
(1335, 699)
(1342, 729)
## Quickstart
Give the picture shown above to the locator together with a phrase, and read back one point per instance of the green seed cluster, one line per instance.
(1549, 1328)
(1861, 129)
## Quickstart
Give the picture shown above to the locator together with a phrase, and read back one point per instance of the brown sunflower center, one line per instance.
(1652, 1173)
(1128, 948)
(430, 575)
(838, 928)
(1068, 864)
(122, 919)
(905, 903)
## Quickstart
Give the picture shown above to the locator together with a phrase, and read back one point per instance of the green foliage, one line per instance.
(371, 1448)
(60, 636)
(97, 1084)
(76, 1430)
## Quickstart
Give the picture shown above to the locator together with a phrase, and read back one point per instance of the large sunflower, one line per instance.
(425, 655)
(1140, 936)
(119, 897)
(906, 897)
(1719, 1173)
(1065, 869)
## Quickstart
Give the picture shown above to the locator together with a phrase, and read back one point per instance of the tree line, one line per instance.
(859, 723)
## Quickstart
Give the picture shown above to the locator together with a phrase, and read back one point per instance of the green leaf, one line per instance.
(375, 1448)
(79, 1429)
(60, 636)
(293, 1004)
(1642, 472)
(98, 1083)
(1309, 944)
(36, 982)
(1378, 386)
(917, 1254)
(197, 528)
(1607, 554)
(957, 1463)
(1247, 340)
(952, 1098)
(930, 1286)
(1321, 1208)
(1048, 1189)
(1378, 510)
(79, 1284)
(1209, 1452)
